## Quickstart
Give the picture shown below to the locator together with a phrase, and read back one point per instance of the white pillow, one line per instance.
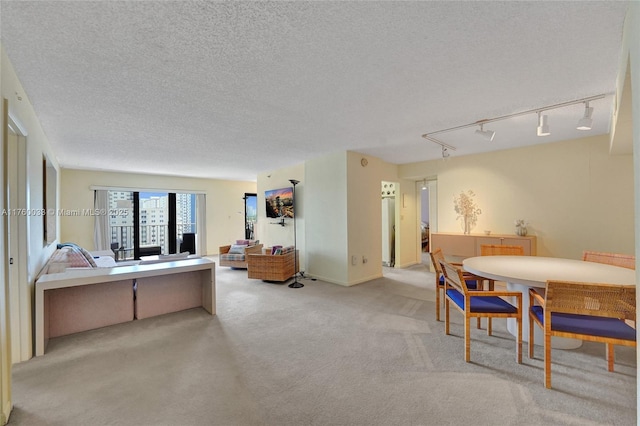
(237, 249)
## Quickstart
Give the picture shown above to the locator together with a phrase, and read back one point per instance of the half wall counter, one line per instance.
(85, 299)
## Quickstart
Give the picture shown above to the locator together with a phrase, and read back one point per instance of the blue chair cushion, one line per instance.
(471, 284)
(587, 324)
(479, 304)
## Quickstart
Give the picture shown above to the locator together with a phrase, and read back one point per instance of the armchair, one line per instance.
(586, 311)
(235, 255)
(473, 282)
(489, 304)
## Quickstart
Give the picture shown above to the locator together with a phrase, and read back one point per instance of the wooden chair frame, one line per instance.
(454, 279)
(436, 257)
(600, 300)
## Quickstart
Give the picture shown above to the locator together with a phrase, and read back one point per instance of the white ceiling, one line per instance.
(232, 89)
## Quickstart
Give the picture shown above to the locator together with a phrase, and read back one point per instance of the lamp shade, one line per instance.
(486, 134)
(586, 121)
(543, 125)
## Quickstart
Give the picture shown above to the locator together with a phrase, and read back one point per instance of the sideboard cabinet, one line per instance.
(461, 245)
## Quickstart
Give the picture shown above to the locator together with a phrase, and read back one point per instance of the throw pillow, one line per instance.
(237, 249)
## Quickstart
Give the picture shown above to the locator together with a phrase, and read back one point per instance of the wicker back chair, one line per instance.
(500, 250)
(616, 259)
(479, 304)
(585, 311)
(471, 280)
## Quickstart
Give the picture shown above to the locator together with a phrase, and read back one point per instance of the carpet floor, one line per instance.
(371, 354)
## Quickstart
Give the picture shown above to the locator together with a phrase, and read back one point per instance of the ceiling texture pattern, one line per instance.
(228, 90)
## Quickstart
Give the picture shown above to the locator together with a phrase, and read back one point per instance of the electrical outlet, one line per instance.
(354, 260)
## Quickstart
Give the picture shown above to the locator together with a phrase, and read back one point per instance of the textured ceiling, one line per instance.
(231, 89)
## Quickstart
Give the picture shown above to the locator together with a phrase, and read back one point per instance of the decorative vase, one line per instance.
(521, 231)
(467, 224)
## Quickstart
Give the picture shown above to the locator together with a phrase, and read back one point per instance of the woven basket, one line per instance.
(269, 267)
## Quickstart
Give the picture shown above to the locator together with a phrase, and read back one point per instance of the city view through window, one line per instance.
(154, 220)
(251, 215)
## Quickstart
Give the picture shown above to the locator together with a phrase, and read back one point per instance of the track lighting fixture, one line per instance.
(424, 184)
(487, 134)
(543, 125)
(586, 121)
(445, 153)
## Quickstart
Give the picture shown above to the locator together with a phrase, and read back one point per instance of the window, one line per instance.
(144, 223)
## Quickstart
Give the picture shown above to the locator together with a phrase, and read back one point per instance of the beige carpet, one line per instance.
(372, 354)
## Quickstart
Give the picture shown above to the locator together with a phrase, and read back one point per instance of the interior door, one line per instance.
(5, 335)
(19, 212)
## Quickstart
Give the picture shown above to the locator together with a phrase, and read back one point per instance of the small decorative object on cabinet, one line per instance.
(521, 227)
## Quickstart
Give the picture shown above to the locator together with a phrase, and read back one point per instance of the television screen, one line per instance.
(279, 202)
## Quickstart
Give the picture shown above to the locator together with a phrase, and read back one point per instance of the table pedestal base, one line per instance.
(556, 342)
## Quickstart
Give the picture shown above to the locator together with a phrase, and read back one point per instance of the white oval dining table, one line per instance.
(523, 272)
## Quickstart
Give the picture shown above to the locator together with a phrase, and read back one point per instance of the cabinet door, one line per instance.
(454, 245)
(480, 241)
(506, 240)
(525, 243)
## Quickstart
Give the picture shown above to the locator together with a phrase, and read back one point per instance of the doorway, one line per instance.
(426, 193)
(389, 193)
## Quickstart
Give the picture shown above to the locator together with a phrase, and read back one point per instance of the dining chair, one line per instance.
(500, 250)
(616, 259)
(472, 280)
(475, 303)
(586, 311)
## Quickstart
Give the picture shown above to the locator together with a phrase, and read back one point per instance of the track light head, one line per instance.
(445, 153)
(486, 134)
(424, 185)
(586, 121)
(543, 125)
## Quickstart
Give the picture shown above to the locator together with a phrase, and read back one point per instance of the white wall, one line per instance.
(268, 230)
(574, 194)
(343, 218)
(225, 204)
(631, 53)
(326, 218)
(21, 110)
(37, 145)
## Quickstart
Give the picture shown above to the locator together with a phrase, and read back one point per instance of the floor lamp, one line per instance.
(295, 283)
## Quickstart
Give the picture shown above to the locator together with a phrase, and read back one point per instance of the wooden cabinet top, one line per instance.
(492, 235)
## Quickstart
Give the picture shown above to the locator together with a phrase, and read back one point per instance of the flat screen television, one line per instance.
(279, 202)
